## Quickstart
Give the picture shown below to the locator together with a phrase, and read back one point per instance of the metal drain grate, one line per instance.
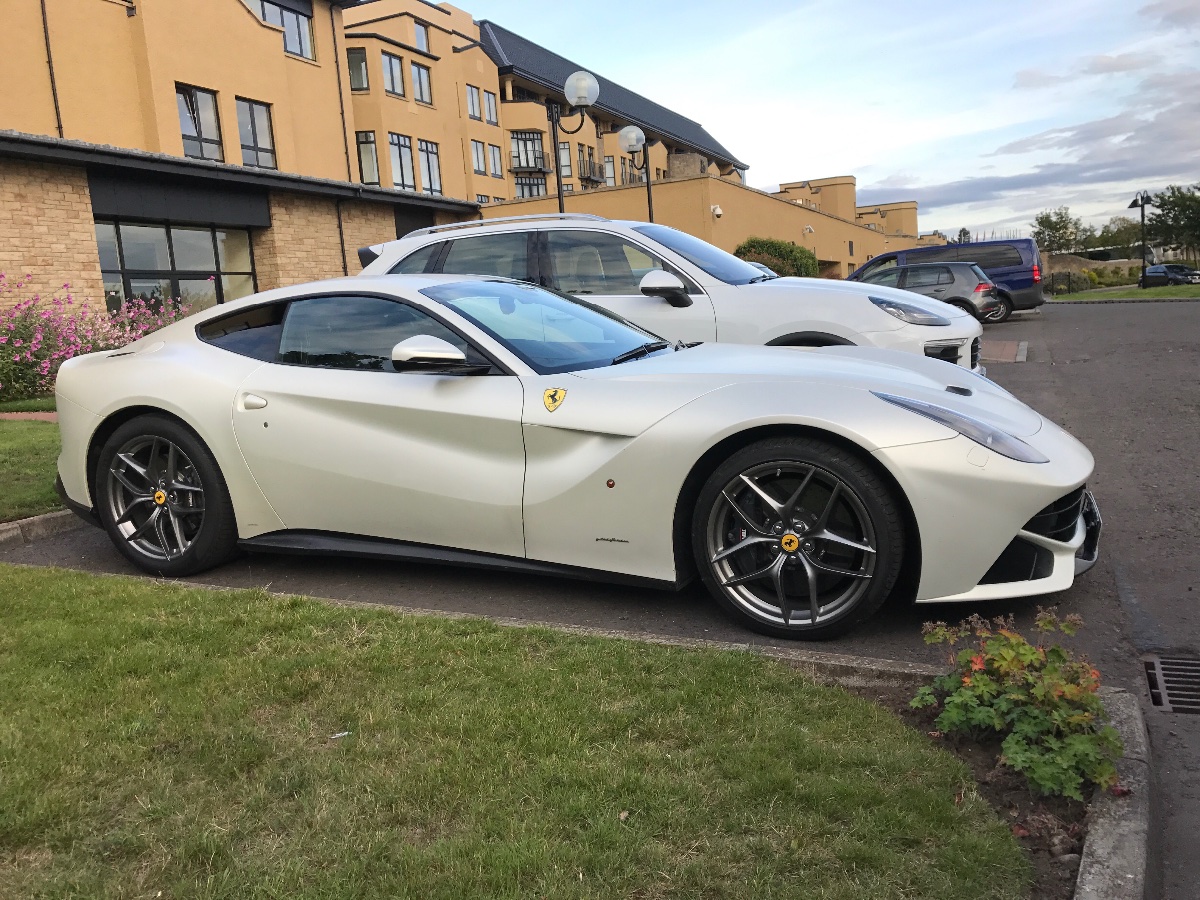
(1174, 683)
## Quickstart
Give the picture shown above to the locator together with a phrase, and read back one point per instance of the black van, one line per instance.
(1014, 265)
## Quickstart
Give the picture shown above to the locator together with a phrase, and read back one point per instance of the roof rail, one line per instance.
(478, 222)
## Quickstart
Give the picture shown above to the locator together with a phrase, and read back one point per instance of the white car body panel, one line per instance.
(480, 463)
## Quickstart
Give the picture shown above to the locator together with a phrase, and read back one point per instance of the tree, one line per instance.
(1056, 231)
(783, 257)
(1176, 219)
(1122, 236)
(964, 236)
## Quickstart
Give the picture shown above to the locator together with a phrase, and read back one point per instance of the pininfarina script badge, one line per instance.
(553, 398)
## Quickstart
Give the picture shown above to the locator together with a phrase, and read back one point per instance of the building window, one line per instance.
(200, 266)
(473, 110)
(489, 108)
(368, 159)
(528, 186)
(564, 158)
(497, 161)
(356, 62)
(658, 174)
(851, 249)
(402, 162)
(582, 168)
(297, 28)
(610, 171)
(568, 188)
(254, 130)
(421, 36)
(393, 74)
(431, 170)
(198, 122)
(420, 83)
(481, 198)
(497, 199)
(527, 150)
(479, 157)
(624, 170)
(525, 95)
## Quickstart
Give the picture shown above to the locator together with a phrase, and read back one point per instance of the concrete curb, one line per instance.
(24, 531)
(1114, 855)
(1124, 300)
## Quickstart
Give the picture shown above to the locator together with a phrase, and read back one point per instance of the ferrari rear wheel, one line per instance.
(797, 538)
(162, 500)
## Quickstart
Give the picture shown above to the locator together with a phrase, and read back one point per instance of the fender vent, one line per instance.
(1174, 683)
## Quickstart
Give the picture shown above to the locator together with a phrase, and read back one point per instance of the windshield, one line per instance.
(713, 260)
(550, 333)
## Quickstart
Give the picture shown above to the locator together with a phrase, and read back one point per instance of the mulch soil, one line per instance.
(1050, 829)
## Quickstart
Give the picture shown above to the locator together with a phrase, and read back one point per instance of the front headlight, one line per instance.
(980, 432)
(906, 312)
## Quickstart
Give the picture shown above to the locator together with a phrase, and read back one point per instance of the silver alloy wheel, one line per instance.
(791, 544)
(155, 497)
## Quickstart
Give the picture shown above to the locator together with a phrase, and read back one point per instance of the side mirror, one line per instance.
(660, 283)
(426, 353)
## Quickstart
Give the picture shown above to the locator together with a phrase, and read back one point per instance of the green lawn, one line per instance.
(1131, 293)
(157, 740)
(38, 404)
(28, 456)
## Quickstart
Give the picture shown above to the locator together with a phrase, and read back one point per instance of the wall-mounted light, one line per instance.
(808, 229)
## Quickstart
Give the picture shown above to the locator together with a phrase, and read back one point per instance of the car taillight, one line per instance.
(1037, 274)
(982, 288)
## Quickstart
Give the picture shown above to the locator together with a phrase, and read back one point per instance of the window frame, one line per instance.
(496, 155)
(356, 58)
(400, 145)
(257, 148)
(422, 87)
(479, 157)
(474, 104)
(491, 113)
(306, 42)
(421, 36)
(431, 167)
(187, 91)
(391, 74)
(564, 167)
(361, 141)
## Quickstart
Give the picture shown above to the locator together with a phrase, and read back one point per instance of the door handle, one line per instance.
(253, 401)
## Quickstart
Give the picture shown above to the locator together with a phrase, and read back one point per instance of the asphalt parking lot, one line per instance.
(1120, 376)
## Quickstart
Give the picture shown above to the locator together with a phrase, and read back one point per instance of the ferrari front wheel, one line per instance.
(797, 538)
(162, 500)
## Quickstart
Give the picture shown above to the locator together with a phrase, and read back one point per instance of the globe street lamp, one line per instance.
(1142, 199)
(632, 139)
(581, 90)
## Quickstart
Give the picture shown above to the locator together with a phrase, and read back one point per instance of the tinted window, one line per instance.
(713, 260)
(888, 277)
(548, 332)
(875, 266)
(934, 254)
(920, 276)
(995, 257)
(357, 333)
(417, 262)
(250, 332)
(506, 255)
(980, 274)
(590, 262)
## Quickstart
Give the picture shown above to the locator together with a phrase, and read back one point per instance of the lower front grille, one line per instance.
(976, 349)
(1020, 561)
(945, 352)
(1057, 521)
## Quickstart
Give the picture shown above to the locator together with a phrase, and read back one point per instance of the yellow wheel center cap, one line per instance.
(160, 498)
(790, 543)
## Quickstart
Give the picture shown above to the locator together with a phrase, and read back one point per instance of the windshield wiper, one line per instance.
(759, 278)
(639, 352)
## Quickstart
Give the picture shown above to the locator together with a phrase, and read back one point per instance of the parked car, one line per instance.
(960, 284)
(680, 287)
(1168, 273)
(1014, 265)
(491, 423)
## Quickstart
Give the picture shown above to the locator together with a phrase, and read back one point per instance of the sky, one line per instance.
(985, 113)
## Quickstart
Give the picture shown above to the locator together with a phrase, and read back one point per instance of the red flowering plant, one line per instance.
(38, 334)
(1041, 699)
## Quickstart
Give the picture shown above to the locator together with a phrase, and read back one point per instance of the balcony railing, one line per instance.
(528, 161)
(591, 171)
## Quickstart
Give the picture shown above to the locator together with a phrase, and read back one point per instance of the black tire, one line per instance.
(1000, 312)
(965, 307)
(848, 543)
(161, 497)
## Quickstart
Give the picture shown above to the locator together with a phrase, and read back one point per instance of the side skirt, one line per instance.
(329, 543)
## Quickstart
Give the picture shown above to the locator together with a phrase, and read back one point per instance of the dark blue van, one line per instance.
(1014, 265)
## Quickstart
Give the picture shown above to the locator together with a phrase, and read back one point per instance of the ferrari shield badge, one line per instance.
(553, 398)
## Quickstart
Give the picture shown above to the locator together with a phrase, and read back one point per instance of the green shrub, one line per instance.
(783, 257)
(1041, 700)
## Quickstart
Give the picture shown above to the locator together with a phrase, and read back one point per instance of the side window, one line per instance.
(506, 255)
(349, 332)
(996, 257)
(873, 268)
(888, 277)
(249, 332)
(945, 276)
(923, 276)
(417, 262)
(590, 262)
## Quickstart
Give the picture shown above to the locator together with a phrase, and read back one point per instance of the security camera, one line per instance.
(717, 212)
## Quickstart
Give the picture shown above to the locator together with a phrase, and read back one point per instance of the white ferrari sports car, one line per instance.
(486, 422)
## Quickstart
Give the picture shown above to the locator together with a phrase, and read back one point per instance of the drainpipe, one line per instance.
(341, 236)
(50, 63)
(337, 66)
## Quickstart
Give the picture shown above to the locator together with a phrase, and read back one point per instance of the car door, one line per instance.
(607, 269)
(339, 441)
(932, 281)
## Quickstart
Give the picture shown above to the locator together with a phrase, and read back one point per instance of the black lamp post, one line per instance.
(581, 90)
(632, 139)
(1141, 200)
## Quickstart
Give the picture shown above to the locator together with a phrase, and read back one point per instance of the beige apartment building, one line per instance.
(209, 149)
